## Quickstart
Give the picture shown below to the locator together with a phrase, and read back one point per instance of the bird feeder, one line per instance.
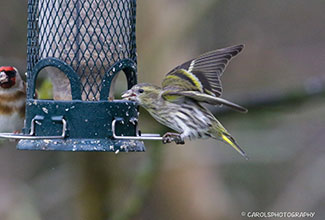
(89, 42)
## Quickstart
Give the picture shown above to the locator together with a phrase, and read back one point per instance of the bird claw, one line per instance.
(170, 137)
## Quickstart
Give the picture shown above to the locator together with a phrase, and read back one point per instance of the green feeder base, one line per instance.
(80, 126)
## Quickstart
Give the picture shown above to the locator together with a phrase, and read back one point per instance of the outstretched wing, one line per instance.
(202, 73)
(199, 78)
(172, 95)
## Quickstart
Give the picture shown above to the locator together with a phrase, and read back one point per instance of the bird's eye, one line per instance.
(140, 90)
(11, 73)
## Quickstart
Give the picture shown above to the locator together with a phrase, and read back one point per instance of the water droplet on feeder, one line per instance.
(86, 120)
(67, 109)
(45, 110)
(123, 146)
(133, 121)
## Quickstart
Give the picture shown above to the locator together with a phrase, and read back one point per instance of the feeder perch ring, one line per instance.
(153, 137)
(31, 135)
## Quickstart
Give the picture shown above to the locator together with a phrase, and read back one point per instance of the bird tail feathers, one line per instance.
(231, 141)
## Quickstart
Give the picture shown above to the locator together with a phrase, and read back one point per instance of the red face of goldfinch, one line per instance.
(8, 76)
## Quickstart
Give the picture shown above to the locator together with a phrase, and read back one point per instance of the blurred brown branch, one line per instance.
(313, 88)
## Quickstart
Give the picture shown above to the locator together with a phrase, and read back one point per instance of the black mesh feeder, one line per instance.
(88, 42)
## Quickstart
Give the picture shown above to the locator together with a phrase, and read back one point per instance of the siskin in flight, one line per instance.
(178, 103)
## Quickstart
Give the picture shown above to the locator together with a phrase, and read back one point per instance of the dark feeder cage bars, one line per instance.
(90, 41)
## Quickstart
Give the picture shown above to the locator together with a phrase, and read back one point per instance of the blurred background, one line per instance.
(279, 77)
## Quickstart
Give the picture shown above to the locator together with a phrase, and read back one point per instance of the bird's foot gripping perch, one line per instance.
(170, 137)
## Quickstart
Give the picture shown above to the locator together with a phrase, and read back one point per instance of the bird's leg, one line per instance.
(170, 137)
(180, 139)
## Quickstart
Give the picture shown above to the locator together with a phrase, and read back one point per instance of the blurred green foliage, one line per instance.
(45, 91)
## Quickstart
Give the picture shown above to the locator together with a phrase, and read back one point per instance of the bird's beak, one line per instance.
(3, 77)
(128, 94)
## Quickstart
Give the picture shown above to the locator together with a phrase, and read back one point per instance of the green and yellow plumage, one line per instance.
(178, 103)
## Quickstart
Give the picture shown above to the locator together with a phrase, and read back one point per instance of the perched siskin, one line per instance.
(178, 103)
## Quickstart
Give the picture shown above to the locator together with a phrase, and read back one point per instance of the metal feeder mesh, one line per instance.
(89, 35)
